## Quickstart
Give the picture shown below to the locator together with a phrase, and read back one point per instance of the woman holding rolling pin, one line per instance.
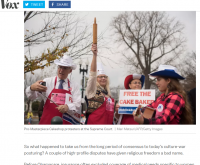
(100, 104)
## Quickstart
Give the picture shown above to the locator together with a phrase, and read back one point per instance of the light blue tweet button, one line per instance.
(33, 4)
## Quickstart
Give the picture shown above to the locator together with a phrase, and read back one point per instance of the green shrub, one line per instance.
(35, 105)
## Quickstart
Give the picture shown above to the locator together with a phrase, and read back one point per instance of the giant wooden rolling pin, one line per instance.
(95, 32)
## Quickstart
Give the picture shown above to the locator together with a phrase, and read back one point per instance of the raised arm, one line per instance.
(91, 85)
(94, 59)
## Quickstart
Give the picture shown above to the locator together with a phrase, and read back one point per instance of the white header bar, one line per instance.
(105, 5)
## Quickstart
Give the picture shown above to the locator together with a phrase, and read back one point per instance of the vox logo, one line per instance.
(5, 4)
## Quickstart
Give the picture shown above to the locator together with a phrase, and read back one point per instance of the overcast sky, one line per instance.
(117, 73)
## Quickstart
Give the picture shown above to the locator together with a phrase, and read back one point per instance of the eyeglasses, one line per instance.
(135, 83)
(103, 77)
(63, 67)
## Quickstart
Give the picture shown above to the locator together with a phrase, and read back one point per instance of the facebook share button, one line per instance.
(59, 4)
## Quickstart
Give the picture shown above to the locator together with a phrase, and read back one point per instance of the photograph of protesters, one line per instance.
(133, 82)
(172, 106)
(98, 94)
(128, 42)
(59, 84)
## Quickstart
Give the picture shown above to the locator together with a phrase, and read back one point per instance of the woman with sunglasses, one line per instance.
(100, 105)
(133, 82)
(172, 106)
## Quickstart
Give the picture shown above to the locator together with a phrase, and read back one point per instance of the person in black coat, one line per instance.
(192, 98)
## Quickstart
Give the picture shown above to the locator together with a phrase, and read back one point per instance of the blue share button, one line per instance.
(59, 4)
(33, 4)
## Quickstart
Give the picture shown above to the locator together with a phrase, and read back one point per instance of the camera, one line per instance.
(43, 83)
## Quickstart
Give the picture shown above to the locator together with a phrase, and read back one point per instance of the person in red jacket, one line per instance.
(172, 106)
(134, 82)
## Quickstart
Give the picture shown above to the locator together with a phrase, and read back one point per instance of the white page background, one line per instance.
(13, 138)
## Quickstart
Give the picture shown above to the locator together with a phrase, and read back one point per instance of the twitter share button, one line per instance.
(33, 4)
(59, 4)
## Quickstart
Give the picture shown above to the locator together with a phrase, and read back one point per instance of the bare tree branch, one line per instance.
(59, 33)
(149, 37)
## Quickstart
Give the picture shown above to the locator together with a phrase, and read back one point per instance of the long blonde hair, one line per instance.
(107, 86)
(175, 86)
